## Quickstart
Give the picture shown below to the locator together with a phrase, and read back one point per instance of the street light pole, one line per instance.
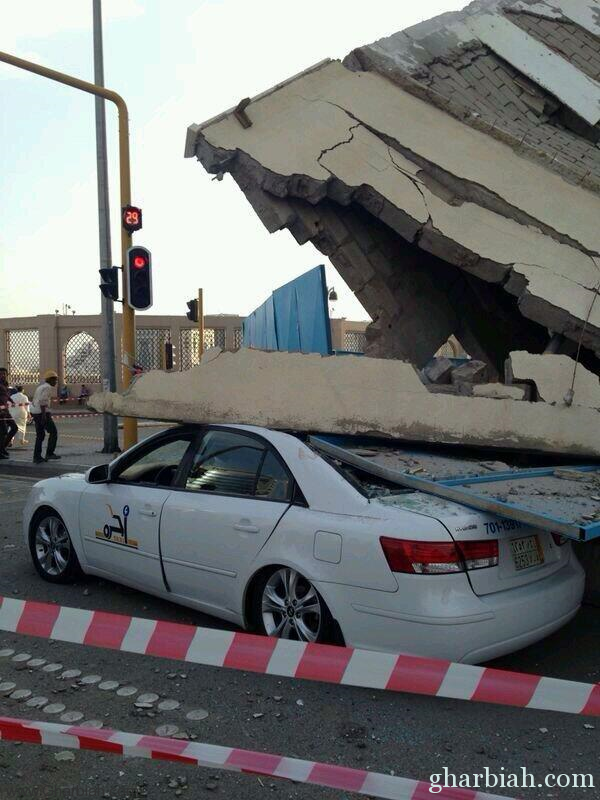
(128, 340)
(109, 373)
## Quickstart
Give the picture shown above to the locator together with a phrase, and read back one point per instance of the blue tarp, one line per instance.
(295, 317)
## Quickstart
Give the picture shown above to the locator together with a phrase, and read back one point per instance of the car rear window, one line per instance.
(370, 486)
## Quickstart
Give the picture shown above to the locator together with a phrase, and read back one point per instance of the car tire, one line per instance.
(51, 548)
(286, 605)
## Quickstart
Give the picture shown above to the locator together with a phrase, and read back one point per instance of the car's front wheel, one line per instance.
(52, 550)
(288, 606)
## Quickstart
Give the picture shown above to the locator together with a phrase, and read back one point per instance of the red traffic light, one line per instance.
(138, 276)
(131, 217)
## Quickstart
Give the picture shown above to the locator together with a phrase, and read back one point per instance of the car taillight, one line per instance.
(480, 554)
(559, 540)
(421, 558)
(438, 558)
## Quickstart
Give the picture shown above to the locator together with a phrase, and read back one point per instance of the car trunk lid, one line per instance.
(525, 554)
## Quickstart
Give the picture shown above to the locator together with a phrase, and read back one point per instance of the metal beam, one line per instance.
(448, 490)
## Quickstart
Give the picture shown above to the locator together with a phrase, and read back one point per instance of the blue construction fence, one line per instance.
(295, 318)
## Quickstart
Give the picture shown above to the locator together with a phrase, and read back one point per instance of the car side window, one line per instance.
(226, 463)
(274, 481)
(157, 466)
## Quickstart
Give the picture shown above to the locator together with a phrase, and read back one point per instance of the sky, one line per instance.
(175, 62)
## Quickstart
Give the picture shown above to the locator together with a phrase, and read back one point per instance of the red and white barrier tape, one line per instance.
(318, 662)
(74, 414)
(374, 784)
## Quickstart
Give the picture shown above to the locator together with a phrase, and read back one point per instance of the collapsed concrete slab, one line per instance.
(555, 376)
(350, 395)
(450, 172)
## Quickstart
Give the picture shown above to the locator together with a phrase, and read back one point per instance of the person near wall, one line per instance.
(19, 411)
(84, 393)
(63, 395)
(8, 427)
(42, 418)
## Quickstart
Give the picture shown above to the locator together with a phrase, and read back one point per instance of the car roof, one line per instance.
(267, 433)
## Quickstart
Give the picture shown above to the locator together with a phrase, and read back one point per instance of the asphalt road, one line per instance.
(409, 735)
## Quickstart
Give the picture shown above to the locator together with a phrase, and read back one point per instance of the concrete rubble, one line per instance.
(439, 371)
(350, 394)
(451, 173)
(563, 494)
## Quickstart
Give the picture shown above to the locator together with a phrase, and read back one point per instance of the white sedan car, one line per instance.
(257, 527)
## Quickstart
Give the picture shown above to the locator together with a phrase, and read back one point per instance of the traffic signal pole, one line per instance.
(128, 338)
(109, 370)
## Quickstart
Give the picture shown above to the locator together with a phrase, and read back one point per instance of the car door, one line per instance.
(234, 494)
(119, 520)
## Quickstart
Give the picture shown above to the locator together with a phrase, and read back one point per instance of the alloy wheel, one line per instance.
(291, 607)
(52, 546)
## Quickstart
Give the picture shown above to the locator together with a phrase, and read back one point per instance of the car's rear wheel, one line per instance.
(288, 606)
(52, 550)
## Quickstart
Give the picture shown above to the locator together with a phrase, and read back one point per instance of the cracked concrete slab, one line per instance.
(426, 131)
(477, 205)
(554, 375)
(455, 192)
(396, 403)
(391, 176)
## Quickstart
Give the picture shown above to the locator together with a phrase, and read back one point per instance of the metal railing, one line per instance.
(23, 356)
(81, 359)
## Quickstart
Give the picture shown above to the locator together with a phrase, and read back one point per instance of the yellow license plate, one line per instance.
(526, 552)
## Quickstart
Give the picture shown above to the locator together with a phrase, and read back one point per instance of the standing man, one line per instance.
(8, 427)
(40, 411)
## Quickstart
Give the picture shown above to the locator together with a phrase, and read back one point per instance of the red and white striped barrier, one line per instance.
(73, 414)
(374, 784)
(318, 662)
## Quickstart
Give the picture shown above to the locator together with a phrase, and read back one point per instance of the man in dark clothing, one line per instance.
(8, 427)
(44, 424)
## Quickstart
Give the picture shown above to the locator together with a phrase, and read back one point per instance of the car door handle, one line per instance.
(246, 528)
(147, 512)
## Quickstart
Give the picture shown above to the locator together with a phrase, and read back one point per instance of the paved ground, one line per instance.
(80, 441)
(410, 735)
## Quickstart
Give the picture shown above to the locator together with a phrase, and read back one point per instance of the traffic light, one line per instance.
(139, 278)
(131, 217)
(109, 285)
(192, 314)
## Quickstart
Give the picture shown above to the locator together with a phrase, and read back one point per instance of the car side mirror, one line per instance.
(98, 474)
